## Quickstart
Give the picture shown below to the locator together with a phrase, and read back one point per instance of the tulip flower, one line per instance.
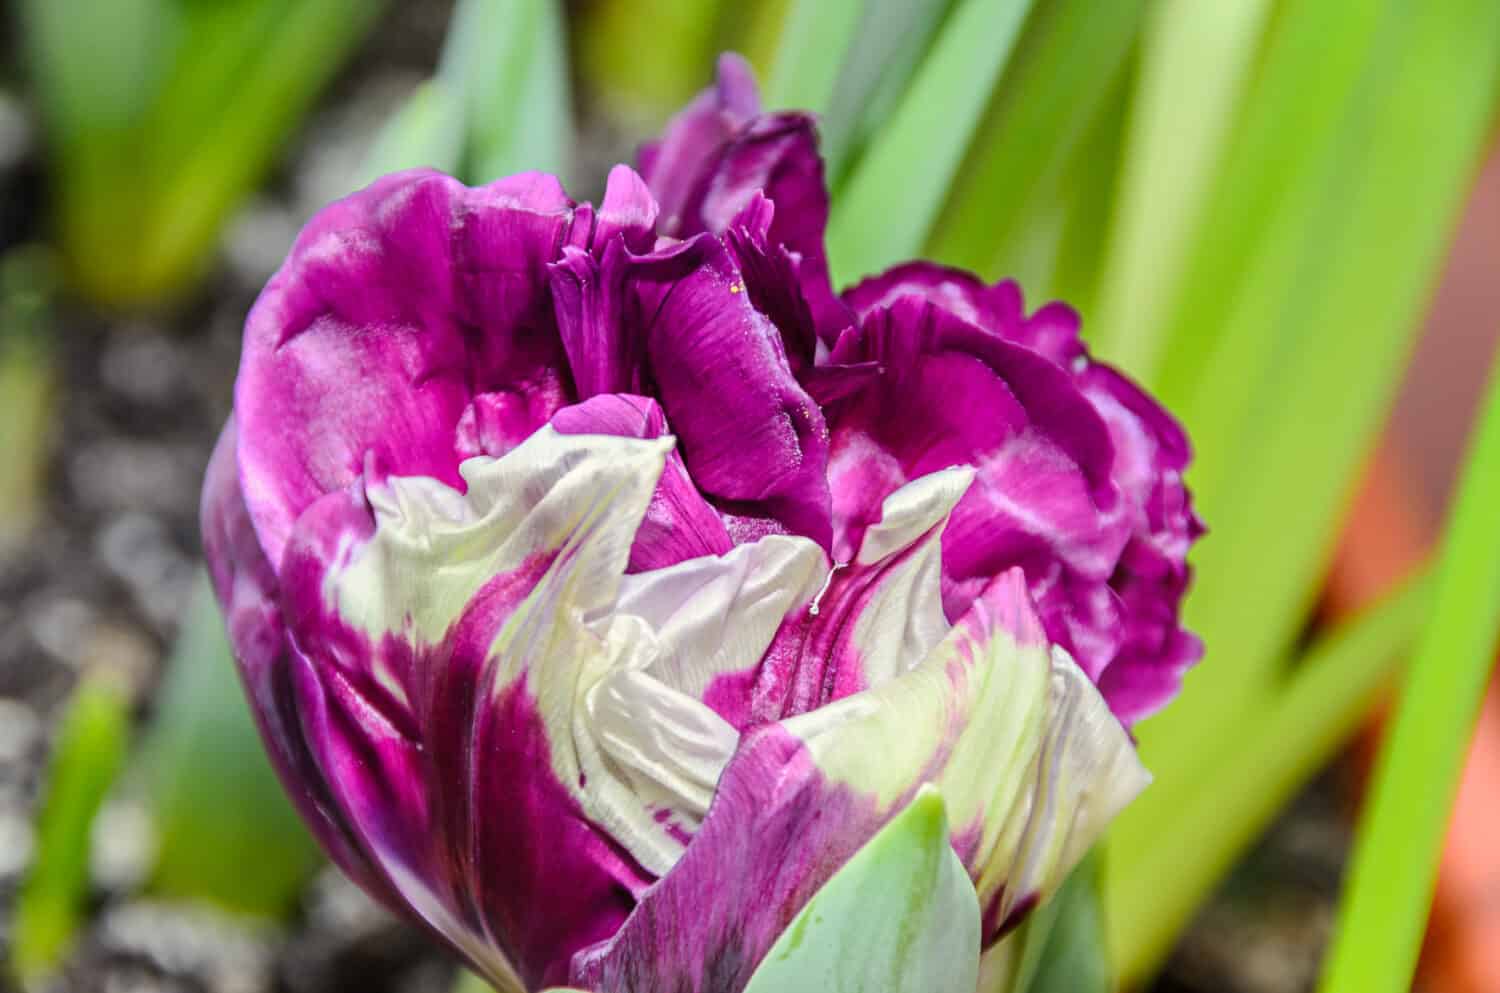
(623, 605)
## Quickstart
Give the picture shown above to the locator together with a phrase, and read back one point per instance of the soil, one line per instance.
(104, 577)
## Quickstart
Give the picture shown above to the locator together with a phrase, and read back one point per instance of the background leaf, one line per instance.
(218, 804)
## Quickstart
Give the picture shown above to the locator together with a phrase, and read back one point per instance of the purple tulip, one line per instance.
(601, 581)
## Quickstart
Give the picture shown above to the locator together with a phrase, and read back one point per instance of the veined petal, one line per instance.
(436, 294)
(719, 155)
(872, 619)
(1043, 497)
(675, 165)
(899, 917)
(1025, 752)
(751, 436)
(1024, 749)
(249, 594)
(445, 638)
(1108, 585)
(654, 722)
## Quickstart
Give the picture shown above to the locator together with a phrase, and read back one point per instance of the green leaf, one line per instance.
(1389, 884)
(95, 62)
(893, 196)
(279, 67)
(28, 390)
(889, 43)
(1048, 99)
(428, 130)
(509, 60)
(1059, 947)
(681, 37)
(218, 804)
(1196, 59)
(1316, 287)
(814, 40)
(1074, 959)
(165, 115)
(86, 758)
(901, 916)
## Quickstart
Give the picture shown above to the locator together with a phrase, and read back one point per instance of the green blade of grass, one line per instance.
(1043, 108)
(509, 60)
(28, 390)
(194, 193)
(893, 197)
(1064, 247)
(96, 66)
(643, 59)
(86, 758)
(427, 130)
(1389, 885)
(1195, 61)
(1345, 277)
(1256, 766)
(889, 43)
(814, 39)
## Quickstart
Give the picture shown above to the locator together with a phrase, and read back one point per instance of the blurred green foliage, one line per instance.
(86, 756)
(1395, 863)
(27, 388)
(163, 114)
(227, 832)
(501, 102)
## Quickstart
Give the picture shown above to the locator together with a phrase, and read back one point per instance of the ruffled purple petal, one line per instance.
(750, 435)
(249, 593)
(721, 153)
(1019, 744)
(1108, 585)
(950, 394)
(398, 308)
(677, 165)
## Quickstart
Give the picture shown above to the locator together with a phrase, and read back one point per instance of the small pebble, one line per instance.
(20, 732)
(225, 954)
(132, 475)
(17, 844)
(123, 845)
(61, 626)
(142, 366)
(139, 551)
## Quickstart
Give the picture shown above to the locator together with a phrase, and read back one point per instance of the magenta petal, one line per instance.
(395, 308)
(777, 156)
(249, 593)
(431, 738)
(952, 395)
(1108, 581)
(750, 435)
(679, 524)
(776, 832)
(588, 297)
(676, 166)
(770, 273)
(719, 154)
(628, 211)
